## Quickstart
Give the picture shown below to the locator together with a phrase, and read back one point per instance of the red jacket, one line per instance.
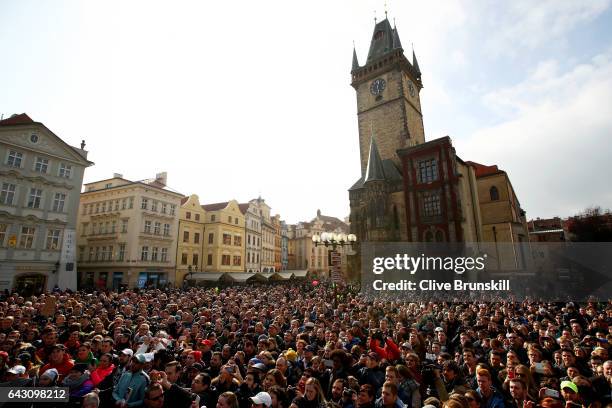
(99, 374)
(390, 352)
(62, 368)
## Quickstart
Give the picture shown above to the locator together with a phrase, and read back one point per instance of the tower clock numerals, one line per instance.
(411, 89)
(377, 86)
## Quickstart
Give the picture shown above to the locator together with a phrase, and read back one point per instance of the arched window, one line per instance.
(439, 236)
(494, 193)
(429, 236)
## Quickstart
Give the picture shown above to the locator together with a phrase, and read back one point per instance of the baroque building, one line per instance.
(40, 183)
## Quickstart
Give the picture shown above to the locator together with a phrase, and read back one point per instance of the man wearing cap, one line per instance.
(371, 373)
(569, 392)
(130, 390)
(125, 356)
(261, 400)
(17, 376)
(60, 360)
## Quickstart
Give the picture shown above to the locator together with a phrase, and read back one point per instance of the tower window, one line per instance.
(494, 193)
(428, 170)
(379, 35)
(431, 205)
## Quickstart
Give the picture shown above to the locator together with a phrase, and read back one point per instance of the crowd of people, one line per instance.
(303, 346)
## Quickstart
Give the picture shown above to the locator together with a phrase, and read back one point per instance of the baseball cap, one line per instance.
(262, 398)
(51, 373)
(438, 329)
(140, 358)
(127, 352)
(18, 370)
(81, 367)
(570, 385)
(259, 366)
(207, 343)
(310, 348)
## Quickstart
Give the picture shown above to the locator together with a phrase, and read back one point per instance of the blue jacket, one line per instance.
(496, 400)
(138, 382)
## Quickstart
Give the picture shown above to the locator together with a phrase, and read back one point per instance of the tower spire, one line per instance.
(415, 63)
(355, 60)
(374, 171)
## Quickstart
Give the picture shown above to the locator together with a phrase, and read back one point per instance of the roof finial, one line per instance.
(385, 9)
(393, 22)
(374, 16)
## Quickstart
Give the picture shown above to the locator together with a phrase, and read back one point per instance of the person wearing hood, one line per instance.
(60, 360)
(78, 382)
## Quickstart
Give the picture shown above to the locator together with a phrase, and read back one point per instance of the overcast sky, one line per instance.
(237, 99)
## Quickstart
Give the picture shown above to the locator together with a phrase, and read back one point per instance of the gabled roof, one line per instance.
(184, 200)
(243, 207)
(390, 174)
(21, 119)
(215, 206)
(483, 170)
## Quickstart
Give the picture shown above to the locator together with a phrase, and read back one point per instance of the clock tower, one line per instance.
(388, 102)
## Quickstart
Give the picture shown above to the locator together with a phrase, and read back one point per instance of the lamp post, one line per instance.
(333, 240)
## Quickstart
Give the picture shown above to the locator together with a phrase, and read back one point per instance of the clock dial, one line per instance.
(377, 86)
(411, 89)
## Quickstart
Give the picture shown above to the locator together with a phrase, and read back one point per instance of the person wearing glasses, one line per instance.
(154, 396)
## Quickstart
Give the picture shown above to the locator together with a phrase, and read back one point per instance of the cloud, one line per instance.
(555, 140)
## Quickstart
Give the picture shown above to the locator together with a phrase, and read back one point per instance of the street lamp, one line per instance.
(334, 240)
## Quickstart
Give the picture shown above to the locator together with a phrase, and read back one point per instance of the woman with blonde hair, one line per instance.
(313, 396)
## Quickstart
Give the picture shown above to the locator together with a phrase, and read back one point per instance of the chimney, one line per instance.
(117, 175)
(162, 178)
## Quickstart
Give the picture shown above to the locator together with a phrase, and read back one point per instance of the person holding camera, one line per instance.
(384, 346)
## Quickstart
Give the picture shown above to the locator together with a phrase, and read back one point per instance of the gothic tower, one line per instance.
(388, 90)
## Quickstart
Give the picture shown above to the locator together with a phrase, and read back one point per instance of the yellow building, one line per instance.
(190, 250)
(267, 239)
(504, 226)
(224, 244)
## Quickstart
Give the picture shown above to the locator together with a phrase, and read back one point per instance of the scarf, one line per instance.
(74, 385)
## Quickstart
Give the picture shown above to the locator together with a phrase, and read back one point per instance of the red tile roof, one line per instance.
(184, 200)
(215, 206)
(243, 207)
(482, 170)
(21, 119)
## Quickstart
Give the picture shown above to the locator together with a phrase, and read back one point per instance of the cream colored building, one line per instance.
(253, 236)
(127, 233)
(224, 237)
(267, 239)
(315, 258)
(191, 232)
(40, 183)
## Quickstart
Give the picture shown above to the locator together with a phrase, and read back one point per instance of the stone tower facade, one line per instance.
(388, 90)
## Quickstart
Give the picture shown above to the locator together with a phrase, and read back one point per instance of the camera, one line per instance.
(377, 335)
(348, 393)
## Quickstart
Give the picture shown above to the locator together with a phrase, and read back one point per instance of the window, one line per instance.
(225, 259)
(3, 229)
(229, 219)
(196, 238)
(147, 227)
(249, 239)
(157, 228)
(14, 159)
(195, 260)
(124, 226)
(494, 193)
(144, 204)
(212, 218)
(93, 228)
(107, 227)
(154, 254)
(236, 221)
(53, 239)
(154, 206)
(164, 208)
(7, 194)
(108, 185)
(166, 230)
(91, 254)
(183, 259)
(65, 170)
(121, 256)
(123, 204)
(81, 253)
(211, 238)
(103, 254)
(237, 260)
(172, 209)
(35, 197)
(237, 240)
(113, 227)
(97, 208)
(209, 259)
(58, 202)
(164, 255)
(131, 203)
(97, 253)
(109, 254)
(185, 236)
(431, 205)
(27, 237)
(188, 215)
(144, 254)
(227, 239)
(84, 209)
(41, 165)
(197, 217)
(116, 205)
(428, 170)
(103, 206)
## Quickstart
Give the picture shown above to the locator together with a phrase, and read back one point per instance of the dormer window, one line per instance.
(379, 35)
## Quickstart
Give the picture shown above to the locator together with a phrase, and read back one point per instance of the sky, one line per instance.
(239, 99)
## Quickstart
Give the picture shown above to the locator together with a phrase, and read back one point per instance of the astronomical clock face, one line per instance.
(377, 86)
